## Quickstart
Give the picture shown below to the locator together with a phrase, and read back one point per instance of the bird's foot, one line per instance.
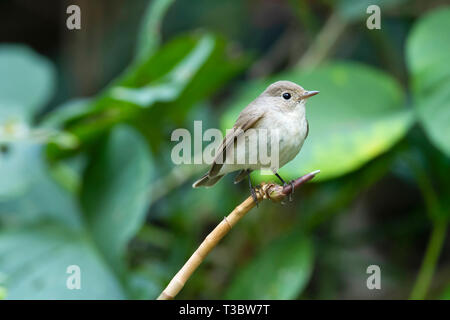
(255, 198)
(252, 189)
(292, 189)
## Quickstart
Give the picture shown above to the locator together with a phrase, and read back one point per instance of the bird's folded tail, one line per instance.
(241, 175)
(206, 181)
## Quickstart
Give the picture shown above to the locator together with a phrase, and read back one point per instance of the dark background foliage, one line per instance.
(86, 176)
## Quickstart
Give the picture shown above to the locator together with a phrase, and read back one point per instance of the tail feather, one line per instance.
(242, 174)
(206, 181)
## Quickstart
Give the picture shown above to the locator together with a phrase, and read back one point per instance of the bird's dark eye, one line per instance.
(287, 95)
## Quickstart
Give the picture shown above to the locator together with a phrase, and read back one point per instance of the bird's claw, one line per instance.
(292, 190)
(255, 198)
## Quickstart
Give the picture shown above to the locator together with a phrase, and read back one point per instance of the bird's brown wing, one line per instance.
(243, 123)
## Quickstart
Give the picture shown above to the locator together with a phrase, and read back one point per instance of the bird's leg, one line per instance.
(285, 184)
(252, 190)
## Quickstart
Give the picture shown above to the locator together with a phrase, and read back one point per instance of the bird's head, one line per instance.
(287, 94)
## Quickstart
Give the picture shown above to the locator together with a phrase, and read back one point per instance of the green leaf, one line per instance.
(27, 81)
(44, 234)
(357, 116)
(116, 191)
(427, 51)
(34, 261)
(149, 35)
(171, 85)
(431, 75)
(434, 115)
(14, 158)
(280, 271)
(28, 194)
(182, 72)
(65, 112)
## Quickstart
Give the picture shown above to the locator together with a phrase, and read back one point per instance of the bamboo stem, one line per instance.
(270, 191)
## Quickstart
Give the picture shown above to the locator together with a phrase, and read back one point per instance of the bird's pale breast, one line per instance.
(292, 133)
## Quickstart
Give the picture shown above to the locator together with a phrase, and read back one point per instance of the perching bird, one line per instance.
(281, 106)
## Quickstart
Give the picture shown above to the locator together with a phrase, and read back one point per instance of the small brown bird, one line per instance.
(281, 106)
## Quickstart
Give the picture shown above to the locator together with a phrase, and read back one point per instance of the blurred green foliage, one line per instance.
(289, 263)
(431, 76)
(24, 71)
(91, 183)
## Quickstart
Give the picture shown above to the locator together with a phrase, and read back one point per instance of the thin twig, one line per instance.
(438, 232)
(432, 253)
(333, 29)
(270, 191)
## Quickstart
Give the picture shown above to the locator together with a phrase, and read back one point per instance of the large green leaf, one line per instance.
(434, 114)
(65, 112)
(279, 271)
(431, 75)
(357, 116)
(14, 169)
(115, 193)
(115, 196)
(427, 52)
(183, 71)
(34, 261)
(171, 85)
(27, 81)
(28, 194)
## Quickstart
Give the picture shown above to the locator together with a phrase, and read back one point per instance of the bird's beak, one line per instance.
(308, 94)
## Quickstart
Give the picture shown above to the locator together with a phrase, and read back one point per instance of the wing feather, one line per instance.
(243, 123)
